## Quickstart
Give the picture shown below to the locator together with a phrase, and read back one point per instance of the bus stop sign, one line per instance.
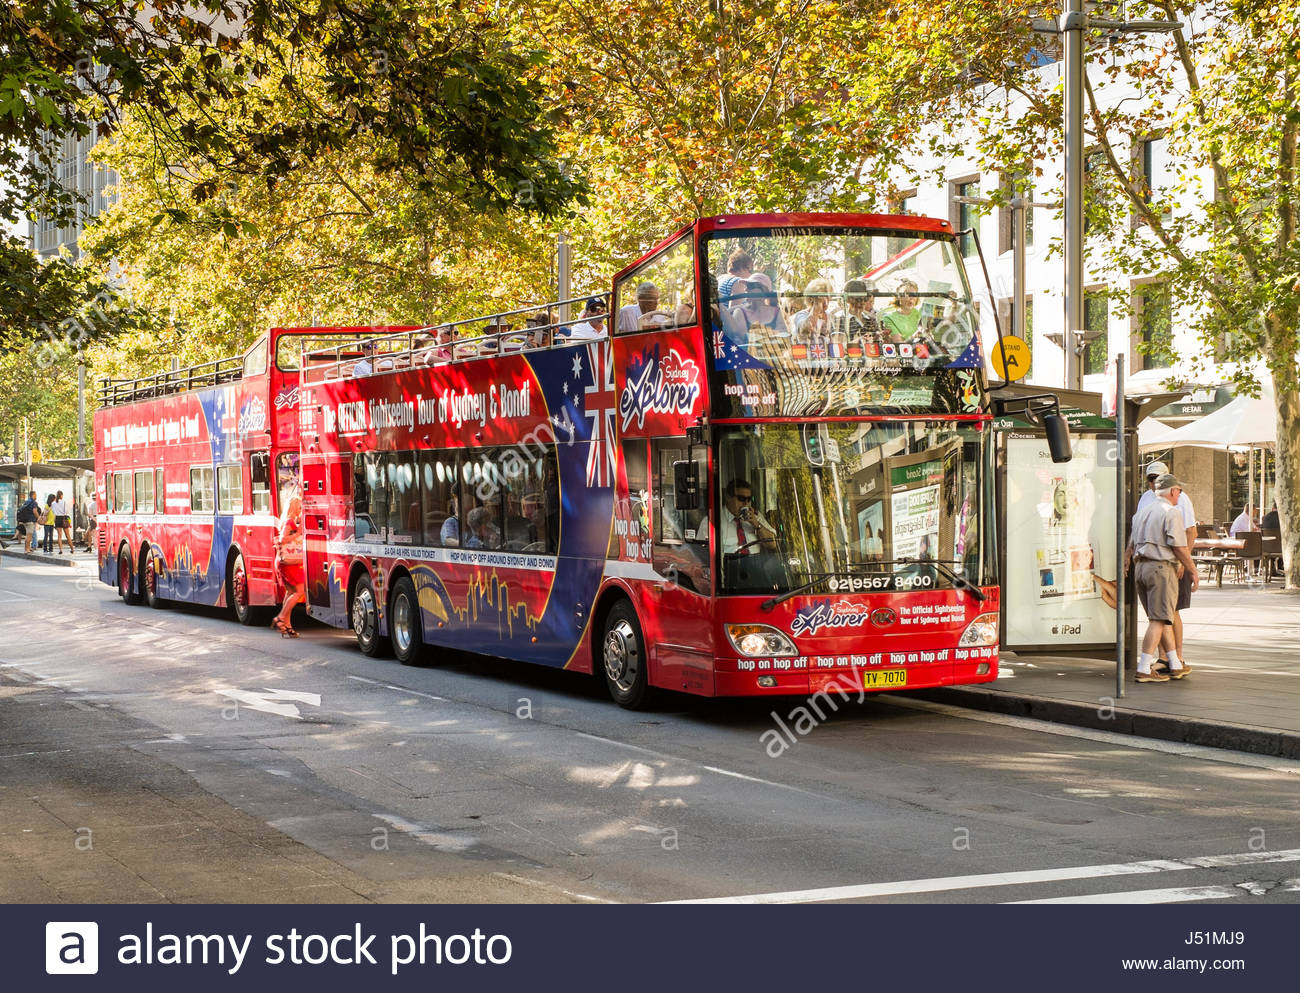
(1016, 364)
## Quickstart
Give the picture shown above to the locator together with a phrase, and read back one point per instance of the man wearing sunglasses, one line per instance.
(743, 530)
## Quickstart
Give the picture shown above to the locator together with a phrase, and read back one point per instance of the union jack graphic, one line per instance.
(600, 404)
(719, 345)
(818, 348)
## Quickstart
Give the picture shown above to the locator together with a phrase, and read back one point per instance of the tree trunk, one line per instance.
(1287, 491)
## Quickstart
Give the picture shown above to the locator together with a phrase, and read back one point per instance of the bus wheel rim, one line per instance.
(401, 621)
(240, 582)
(363, 612)
(622, 658)
(151, 577)
(123, 574)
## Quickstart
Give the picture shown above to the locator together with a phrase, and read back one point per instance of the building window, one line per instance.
(1096, 317)
(1154, 170)
(964, 216)
(1013, 184)
(1154, 326)
(903, 203)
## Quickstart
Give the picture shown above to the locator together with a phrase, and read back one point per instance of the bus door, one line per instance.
(322, 482)
(682, 599)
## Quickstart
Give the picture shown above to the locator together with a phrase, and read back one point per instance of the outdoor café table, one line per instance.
(1218, 545)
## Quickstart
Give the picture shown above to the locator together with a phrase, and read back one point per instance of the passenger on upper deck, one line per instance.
(592, 323)
(859, 318)
(739, 266)
(645, 313)
(365, 365)
(757, 305)
(815, 320)
(901, 322)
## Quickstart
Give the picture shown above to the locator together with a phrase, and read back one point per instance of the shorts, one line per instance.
(1185, 590)
(1157, 586)
(62, 521)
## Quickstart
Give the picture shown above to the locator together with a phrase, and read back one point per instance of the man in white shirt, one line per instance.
(643, 314)
(743, 530)
(1242, 523)
(592, 323)
(1185, 577)
(365, 365)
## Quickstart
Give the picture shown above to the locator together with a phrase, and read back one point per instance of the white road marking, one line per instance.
(1180, 895)
(24, 596)
(434, 839)
(550, 888)
(1270, 762)
(399, 689)
(266, 700)
(940, 884)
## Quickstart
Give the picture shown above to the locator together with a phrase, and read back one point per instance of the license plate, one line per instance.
(881, 678)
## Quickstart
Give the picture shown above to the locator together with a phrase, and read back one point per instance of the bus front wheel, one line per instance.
(125, 577)
(365, 619)
(149, 581)
(623, 655)
(404, 622)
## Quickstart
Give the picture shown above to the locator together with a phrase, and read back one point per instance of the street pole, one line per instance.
(81, 404)
(1121, 527)
(1072, 25)
(562, 266)
(1018, 251)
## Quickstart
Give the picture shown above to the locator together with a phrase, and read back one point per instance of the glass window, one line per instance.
(1155, 326)
(159, 493)
(1096, 317)
(520, 477)
(122, 492)
(402, 513)
(659, 294)
(873, 505)
(965, 216)
(260, 465)
(680, 550)
(201, 489)
(636, 512)
(286, 474)
(108, 492)
(437, 495)
(230, 489)
(144, 491)
(255, 359)
(365, 479)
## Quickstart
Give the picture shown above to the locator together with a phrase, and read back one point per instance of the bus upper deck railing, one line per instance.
(113, 392)
(439, 344)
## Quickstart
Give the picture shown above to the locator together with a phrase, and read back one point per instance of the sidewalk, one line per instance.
(1243, 692)
(14, 550)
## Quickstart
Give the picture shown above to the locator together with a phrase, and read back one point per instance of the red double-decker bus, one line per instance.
(189, 468)
(772, 473)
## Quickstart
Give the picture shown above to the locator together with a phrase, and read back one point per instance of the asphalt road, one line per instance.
(201, 760)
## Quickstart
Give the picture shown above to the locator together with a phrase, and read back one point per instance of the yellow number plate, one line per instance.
(878, 679)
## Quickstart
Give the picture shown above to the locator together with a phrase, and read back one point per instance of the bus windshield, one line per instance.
(855, 507)
(810, 321)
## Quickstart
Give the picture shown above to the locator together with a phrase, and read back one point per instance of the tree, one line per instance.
(1221, 230)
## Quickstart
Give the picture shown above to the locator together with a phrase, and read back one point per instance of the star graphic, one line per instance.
(577, 366)
(566, 387)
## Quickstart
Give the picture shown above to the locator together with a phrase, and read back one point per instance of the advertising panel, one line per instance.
(1060, 540)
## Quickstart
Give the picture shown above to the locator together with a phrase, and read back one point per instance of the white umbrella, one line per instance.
(1151, 434)
(1243, 423)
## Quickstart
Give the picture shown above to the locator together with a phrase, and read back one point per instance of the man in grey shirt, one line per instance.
(1158, 545)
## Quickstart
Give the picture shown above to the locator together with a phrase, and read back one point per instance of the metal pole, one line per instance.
(81, 404)
(1018, 208)
(562, 267)
(1121, 526)
(1072, 25)
(27, 454)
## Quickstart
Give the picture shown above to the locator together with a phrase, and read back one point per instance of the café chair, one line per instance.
(1251, 553)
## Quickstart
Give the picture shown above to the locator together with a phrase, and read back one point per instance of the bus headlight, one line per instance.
(980, 632)
(754, 640)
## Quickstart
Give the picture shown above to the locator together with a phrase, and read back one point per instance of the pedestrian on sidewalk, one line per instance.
(28, 511)
(1157, 547)
(62, 522)
(1154, 471)
(47, 518)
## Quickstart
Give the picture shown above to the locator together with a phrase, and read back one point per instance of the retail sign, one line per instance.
(1196, 402)
(1060, 541)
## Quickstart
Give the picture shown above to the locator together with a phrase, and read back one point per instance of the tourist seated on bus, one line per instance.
(482, 532)
(814, 321)
(858, 318)
(540, 328)
(365, 365)
(900, 322)
(450, 534)
(591, 323)
(755, 305)
(645, 313)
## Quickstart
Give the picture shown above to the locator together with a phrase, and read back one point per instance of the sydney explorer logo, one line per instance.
(668, 385)
(824, 614)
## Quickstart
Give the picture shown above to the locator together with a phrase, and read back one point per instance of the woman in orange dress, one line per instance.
(289, 563)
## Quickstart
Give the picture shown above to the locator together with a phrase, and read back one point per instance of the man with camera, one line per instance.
(743, 530)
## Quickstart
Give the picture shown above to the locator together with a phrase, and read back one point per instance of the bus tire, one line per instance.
(125, 575)
(405, 627)
(365, 619)
(237, 592)
(149, 581)
(623, 658)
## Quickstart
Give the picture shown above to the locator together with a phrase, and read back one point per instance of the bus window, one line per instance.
(230, 489)
(658, 294)
(201, 489)
(159, 493)
(144, 491)
(439, 474)
(122, 492)
(259, 481)
(255, 359)
(681, 537)
(402, 489)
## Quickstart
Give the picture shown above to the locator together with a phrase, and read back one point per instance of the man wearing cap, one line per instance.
(592, 321)
(1158, 546)
(1154, 471)
(365, 365)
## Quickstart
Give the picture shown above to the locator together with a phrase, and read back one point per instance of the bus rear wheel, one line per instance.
(365, 619)
(125, 577)
(149, 582)
(237, 592)
(623, 655)
(404, 623)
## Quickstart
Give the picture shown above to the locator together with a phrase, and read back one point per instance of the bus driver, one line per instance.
(743, 531)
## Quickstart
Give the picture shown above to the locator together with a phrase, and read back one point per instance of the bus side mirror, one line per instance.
(686, 485)
(1058, 436)
(260, 467)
